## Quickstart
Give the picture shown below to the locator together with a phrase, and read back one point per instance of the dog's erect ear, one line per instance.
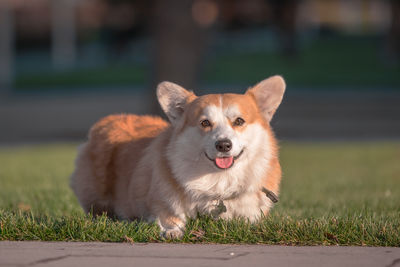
(268, 95)
(173, 99)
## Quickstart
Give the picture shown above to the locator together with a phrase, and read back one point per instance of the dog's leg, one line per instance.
(172, 227)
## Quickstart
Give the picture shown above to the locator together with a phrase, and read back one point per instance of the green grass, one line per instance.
(341, 61)
(325, 63)
(332, 193)
(112, 75)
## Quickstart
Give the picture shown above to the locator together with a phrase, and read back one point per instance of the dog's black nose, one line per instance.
(223, 145)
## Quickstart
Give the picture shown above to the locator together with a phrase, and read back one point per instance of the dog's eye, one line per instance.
(205, 123)
(238, 122)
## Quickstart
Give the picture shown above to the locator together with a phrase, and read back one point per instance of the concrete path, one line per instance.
(124, 254)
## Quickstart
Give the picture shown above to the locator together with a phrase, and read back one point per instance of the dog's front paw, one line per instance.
(171, 227)
(174, 233)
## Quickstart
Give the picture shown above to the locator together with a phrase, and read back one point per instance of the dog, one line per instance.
(217, 156)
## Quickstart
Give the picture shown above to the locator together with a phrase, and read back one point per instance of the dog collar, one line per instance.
(271, 195)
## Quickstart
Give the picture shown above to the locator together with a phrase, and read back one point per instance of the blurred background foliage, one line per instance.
(315, 44)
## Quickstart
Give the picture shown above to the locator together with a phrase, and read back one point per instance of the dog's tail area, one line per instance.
(94, 177)
(105, 137)
(115, 143)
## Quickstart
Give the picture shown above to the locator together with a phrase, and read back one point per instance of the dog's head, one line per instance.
(220, 135)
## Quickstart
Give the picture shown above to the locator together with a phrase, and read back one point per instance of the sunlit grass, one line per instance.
(332, 193)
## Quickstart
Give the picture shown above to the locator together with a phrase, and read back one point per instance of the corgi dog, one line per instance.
(217, 156)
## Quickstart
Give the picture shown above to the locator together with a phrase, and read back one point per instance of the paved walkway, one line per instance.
(302, 115)
(124, 254)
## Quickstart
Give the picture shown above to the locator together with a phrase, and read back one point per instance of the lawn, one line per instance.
(332, 193)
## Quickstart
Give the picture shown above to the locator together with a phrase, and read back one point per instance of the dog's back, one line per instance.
(115, 146)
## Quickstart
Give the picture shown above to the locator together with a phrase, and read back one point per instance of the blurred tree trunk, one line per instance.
(63, 33)
(179, 45)
(285, 12)
(6, 47)
(392, 40)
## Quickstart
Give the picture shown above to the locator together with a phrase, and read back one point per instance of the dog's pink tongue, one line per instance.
(224, 163)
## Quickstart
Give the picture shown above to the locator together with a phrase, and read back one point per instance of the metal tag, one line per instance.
(271, 195)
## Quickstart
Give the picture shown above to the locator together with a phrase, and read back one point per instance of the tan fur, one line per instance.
(125, 168)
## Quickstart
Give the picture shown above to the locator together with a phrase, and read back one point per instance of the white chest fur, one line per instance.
(248, 205)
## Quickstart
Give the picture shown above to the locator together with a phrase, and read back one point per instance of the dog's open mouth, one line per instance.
(224, 162)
